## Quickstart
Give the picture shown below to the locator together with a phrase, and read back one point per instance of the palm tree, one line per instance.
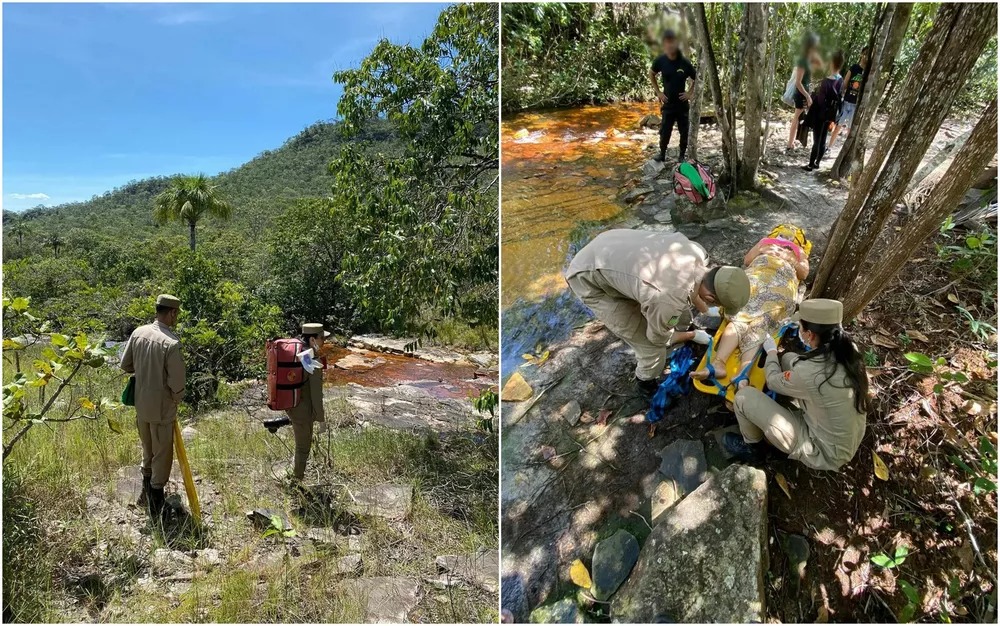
(19, 229)
(55, 242)
(188, 199)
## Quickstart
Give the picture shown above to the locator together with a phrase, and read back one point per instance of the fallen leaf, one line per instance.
(517, 389)
(883, 341)
(579, 575)
(602, 417)
(952, 298)
(973, 408)
(881, 469)
(586, 418)
(547, 452)
(823, 616)
(919, 336)
(780, 479)
(927, 408)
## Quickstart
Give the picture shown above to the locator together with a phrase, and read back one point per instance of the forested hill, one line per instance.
(258, 189)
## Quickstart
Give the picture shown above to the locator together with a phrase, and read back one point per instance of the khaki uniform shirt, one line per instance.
(657, 270)
(310, 406)
(153, 354)
(835, 428)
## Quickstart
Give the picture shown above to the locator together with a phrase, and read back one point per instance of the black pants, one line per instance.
(674, 114)
(819, 144)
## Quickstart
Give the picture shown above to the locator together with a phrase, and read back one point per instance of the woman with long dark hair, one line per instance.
(831, 385)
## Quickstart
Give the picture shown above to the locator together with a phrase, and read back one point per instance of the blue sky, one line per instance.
(95, 95)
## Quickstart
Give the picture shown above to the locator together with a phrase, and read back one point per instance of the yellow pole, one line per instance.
(182, 460)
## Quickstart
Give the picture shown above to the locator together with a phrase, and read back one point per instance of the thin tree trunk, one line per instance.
(860, 187)
(975, 25)
(962, 173)
(769, 92)
(699, 88)
(755, 50)
(728, 133)
(893, 28)
(191, 236)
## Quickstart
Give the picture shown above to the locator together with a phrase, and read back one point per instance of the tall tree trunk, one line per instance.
(971, 30)
(975, 154)
(769, 90)
(191, 236)
(755, 49)
(721, 115)
(699, 89)
(891, 30)
(860, 187)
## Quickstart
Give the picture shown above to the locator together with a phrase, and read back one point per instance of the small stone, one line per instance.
(207, 558)
(189, 433)
(389, 501)
(571, 412)
(348, 564)
(796, 547)
(386, 600)
(652, 169)
(564, 611)
(614, 558)
(663, 217)
(481, 569)
(170, 563)
(323, 535)
(638, 192)
(665, 496)
(684, 462)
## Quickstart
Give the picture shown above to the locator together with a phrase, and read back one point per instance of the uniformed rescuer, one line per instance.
(153, 355)
(643, 285)
(830, 384)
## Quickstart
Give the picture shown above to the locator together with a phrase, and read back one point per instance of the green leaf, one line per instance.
(916, 358)
(909, 591)
(973, 242)
(883, 560)
(60, 340)
(115, 426)
(983, 485)
(901, 553)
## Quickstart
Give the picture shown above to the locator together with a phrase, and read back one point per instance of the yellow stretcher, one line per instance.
(182, 460)
(753, 372)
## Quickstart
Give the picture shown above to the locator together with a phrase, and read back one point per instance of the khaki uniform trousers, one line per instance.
(157, 451)
(302, 429)
(623, 317)
(759, 416)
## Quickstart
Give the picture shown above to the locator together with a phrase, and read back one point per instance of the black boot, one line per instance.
(741, 450)
(648, 387)
(660, 157)
(144, 496)
(274, 424)
(157, 502)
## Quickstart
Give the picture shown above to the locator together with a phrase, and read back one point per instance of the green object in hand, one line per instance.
(128, 394)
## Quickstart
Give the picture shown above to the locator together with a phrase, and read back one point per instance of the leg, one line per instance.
(682, 129)
(163, 453)
(833, 135)
(727, 344)
(303, 432)
(761, 417)
(146, 438)
(666, 128)
(793, 129)
(821, 143)
(814, 153)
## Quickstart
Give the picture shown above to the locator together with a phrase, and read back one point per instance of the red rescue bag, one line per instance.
(694, 181)
(285, 374)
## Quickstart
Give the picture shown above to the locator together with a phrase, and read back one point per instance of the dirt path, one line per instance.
(566, 485)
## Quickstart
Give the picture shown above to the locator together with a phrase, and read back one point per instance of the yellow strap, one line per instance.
(182, 460)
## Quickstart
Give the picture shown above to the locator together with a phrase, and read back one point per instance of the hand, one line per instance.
(684, 97)
(809, 102)
(713, 311)
(769, 345)
(701, 337)
(662, 97)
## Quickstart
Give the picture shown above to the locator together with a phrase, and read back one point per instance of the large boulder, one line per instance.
(613, 560)
(705, 561)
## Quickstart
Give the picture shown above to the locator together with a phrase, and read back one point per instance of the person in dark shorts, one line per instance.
(675, 71)
(851, 90)
(824, 110)
(810, 53)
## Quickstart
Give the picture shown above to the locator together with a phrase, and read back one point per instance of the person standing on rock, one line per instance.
(675, 71)
(831, 385)
(310, 407)
(153, 354)
(643, 284)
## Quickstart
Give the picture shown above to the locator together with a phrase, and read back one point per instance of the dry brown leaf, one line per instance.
(517, 389)
(953, 298)
(602, 417)
(919, 336)
(780, 479)
(881, 469)
(973, 408)
(883, 341)
(926, 407)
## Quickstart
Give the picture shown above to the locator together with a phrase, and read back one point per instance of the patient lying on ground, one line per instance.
(774, 266)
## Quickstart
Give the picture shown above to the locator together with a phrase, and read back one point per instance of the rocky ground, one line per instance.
(695, 538)
(398, 522)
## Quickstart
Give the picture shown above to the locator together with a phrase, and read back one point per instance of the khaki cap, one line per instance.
(820, 311)
(165, 299)
(732, 288)
(314, 329)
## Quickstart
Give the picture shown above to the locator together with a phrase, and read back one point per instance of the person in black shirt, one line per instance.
(824, 110)
(674, 71)
(851, 90)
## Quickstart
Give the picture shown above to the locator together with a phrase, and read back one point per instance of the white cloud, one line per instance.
(29, 196)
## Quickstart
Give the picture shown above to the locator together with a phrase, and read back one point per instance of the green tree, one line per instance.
(424, 219)
(19, 229)
(188, 199)
(55, 242)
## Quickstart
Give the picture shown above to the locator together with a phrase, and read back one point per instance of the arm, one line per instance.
(127, 364)
(662, 316)
(785, 383)
(753, 254)
(699, 304)
(656, 87)
(316, 391)
(175, 372)
(802, 267)
(689, 86)
(844, 83)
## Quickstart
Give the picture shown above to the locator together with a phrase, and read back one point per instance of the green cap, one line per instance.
(820, 311)
(732, 288)
(314, 329)
(165, 299)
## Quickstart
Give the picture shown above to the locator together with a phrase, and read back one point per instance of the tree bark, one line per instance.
(191, 236)
(975, 154)
(755, 51)
(891, 31)
(694, 120)
(769, 90)
(973, 28)
(861, 186)
(728, 133)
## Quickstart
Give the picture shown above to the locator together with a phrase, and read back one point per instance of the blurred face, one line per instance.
(316, 342)
(809, 338)
(170, 318)
(670, 46)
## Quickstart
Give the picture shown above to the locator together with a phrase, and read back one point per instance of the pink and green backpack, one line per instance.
(694, 180)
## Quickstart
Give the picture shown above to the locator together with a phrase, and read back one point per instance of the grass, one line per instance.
(92, 560)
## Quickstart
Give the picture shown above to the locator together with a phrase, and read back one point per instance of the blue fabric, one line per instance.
(676, 384)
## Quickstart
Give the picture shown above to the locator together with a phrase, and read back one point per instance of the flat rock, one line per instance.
(386, 600)
(481, 569)
(188, 434)
(683, 461)
(705, 561)
(358, 362)
(652, 169)
(571, 412)
(649, 209)
(382, 343)
(665, 496)
(389, 501)
(323, 535)
(663, 216)
(564, 611)
(614, 558)
(170, 563)
(639, 191)
(348, 564)
(207, 558)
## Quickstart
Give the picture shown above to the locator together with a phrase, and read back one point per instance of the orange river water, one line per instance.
(560, 168)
